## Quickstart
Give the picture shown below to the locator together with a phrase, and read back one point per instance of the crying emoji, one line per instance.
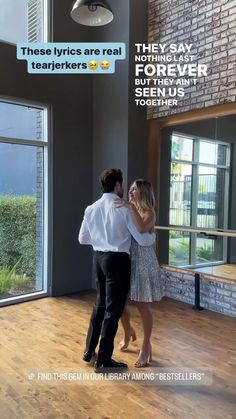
(105, 65)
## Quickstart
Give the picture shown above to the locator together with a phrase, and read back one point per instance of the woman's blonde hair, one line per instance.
(147, 199)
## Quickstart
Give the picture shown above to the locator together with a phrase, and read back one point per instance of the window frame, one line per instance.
(194, 195)
(47, 195)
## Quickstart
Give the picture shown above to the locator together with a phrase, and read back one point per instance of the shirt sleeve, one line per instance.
(143, 239)
(84, 235)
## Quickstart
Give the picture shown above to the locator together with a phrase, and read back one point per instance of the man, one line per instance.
(108, 229)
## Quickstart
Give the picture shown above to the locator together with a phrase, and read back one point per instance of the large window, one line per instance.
(199, 196)
(23, 200)
(23, 20)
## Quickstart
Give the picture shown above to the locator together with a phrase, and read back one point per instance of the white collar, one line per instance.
(110, 195)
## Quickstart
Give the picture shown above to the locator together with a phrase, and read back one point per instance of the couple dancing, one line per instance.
(121, 233)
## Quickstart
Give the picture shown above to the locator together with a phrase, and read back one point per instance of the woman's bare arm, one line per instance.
(145, 222)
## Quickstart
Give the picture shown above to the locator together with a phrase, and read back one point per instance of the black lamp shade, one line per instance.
(91, 12)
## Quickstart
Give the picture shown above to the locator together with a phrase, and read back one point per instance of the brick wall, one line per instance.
(210, 25)
(215, 294)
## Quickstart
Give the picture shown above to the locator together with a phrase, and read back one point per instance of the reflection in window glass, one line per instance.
(13, 20)
(24, 122)
(22, 20)
(213, 153)
(223, 155)
(18, 169)
(206, 205)
(208, 249)
(180, 194)
(211, 210)
(208, 152)
(182, 148)
(179, 248)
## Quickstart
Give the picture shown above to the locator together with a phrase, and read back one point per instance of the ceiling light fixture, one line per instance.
(91, 12)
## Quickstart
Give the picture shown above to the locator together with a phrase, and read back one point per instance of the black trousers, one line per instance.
(112, 270)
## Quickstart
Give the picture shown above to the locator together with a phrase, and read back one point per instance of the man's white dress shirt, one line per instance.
(109, 228)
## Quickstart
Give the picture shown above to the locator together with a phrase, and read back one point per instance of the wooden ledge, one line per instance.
(203, 275)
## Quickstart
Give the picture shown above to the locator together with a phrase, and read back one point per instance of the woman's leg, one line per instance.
(129, 333)
(146, 349)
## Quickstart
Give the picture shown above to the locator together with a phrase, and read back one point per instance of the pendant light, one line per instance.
(91, 12)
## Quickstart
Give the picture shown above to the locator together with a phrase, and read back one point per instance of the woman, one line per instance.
(145, 284)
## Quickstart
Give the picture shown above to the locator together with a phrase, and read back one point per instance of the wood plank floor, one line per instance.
(47, 336)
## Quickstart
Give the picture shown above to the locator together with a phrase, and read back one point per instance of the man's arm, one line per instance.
(143, 239)
(84, 235)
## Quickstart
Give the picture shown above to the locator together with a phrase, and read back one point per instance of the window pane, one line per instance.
(199, 197)
(223, 155)
(208, 152)
(213, 153)
(21, 219)
(21, 20)
(209, 249)
(22, 122)
(182, 148)
(179, 247)
(17, 170)
(180, 194)
(212, 198)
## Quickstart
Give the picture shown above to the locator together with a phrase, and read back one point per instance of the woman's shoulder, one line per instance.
(149, 213)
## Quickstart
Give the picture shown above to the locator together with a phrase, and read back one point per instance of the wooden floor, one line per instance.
(223, 271)
(47, 336)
